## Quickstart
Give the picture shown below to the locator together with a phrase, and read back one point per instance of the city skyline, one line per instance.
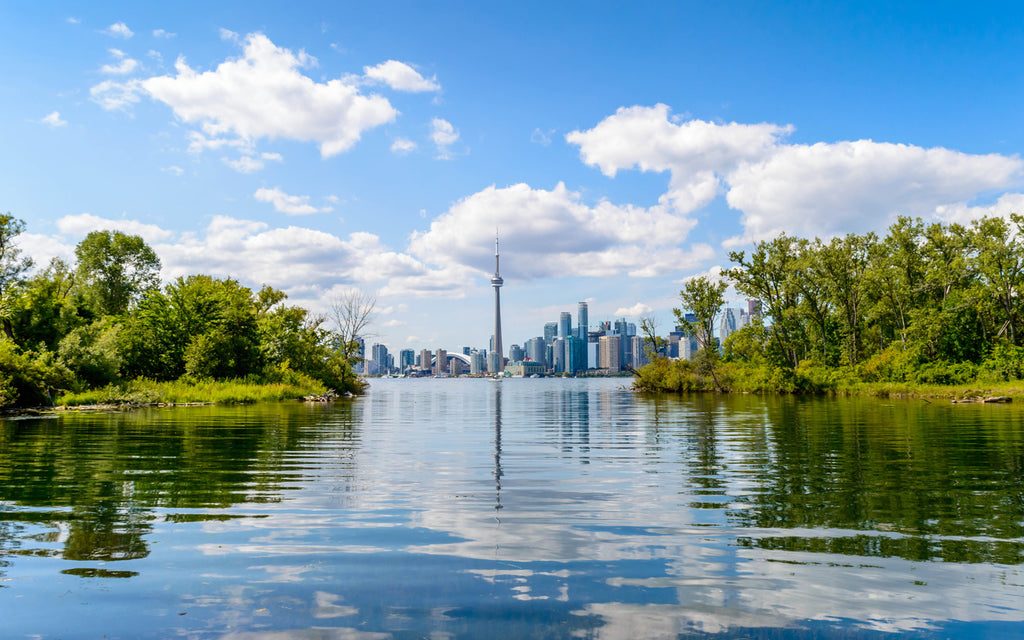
(620, 150)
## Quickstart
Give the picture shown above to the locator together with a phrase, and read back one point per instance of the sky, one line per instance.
(617, 148)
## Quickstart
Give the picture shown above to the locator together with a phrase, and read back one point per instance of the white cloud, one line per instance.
(264, 95)
(229, 35)
(961, 213)
(161, 33)
(250, 163)
(290, 205)
(83, 223)
(119, 30)
(542, 138)
(444, 136)
(306, 263)
(696, 153)
(638, 310)
(823, 189)
(173, 169)
(54, 120)
(403, 145)
(401, 77)
(72, 20)
(114, 96)
(125, 65)
(816, 189)
(554, 234)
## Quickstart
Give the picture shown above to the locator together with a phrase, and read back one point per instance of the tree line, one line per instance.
(106, 319)
(925, 303)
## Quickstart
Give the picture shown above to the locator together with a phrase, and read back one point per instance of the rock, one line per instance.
(995, 399)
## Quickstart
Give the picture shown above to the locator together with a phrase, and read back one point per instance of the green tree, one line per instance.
(704, 299)
(116, 269)
(13, 266)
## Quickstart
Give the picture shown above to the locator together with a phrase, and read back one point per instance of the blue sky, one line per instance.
(619, 148)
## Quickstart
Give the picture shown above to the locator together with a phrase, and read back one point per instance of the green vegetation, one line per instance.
(926, 310)
(103, 330)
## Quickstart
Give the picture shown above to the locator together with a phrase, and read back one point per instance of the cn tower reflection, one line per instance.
(497, 447)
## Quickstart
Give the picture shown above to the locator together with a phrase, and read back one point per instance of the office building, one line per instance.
(406, 360)
(550, 332)
(609, 354)
(515, 353)
(564, 324)
(441, 362)
(582, 322)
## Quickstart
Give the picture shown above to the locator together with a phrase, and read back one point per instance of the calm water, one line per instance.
(520, 508)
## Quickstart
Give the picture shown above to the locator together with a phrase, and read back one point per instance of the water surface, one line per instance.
(458, 508)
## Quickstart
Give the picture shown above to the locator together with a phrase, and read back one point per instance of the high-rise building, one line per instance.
(494, 362)
(496, 282)
(582, 322)
(564, 324)
(753, 308)
(550, 332)
(535, 350)
(425, 360)
(406, 360)
(575, 355)
(379, 354)
(515, 353)
(558, 351)
(728, 323)
(441, 362)
(639, 351)
(477, 362)
(609, 353)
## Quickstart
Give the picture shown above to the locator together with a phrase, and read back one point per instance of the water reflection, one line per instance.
(540, 508)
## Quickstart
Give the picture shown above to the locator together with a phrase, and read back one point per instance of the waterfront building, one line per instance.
(558, 351)
(494, 362)
(575, 355)
(426, 360)
(515, 352)
(550, 332)
(564, 324)
(379, 353)
(477, 363)
(406, 360)
(456, 367)
(535, 350)
(582, 321)
(441, 359)
(609, 354)
(524, 368)
(639, 350)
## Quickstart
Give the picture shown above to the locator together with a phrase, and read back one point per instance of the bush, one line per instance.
(30, 378)
(92, 352)
(1004, 362)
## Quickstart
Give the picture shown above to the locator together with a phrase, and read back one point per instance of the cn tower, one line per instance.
(496, 282)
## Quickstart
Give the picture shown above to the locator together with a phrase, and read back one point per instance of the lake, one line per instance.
(536, 508)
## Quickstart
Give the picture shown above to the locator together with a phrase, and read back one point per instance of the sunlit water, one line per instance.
(520, 508)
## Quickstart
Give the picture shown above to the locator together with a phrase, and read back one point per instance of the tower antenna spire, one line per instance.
(496, 282)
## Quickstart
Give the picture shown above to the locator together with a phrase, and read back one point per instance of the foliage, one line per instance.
(116, 269)
(923, 305)
(146, 391)
(30, 378)
(92, 352)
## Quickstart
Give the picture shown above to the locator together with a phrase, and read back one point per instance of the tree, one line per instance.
(704, 299)
(116, 269)
(352, 313)
(13, 266)
(653, 343)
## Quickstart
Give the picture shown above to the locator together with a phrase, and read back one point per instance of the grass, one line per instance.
(143, 391)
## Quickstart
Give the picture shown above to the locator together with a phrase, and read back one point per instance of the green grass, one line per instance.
(143, 391)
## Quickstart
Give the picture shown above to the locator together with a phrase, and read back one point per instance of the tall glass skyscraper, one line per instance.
(582, 322)
(564, 324)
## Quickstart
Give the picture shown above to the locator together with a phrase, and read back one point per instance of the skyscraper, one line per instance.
(496, 282)
(564, 324)
(550, 332)
(582, 322)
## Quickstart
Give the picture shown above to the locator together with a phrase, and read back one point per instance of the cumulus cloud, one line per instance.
(263, 94)
(305, 263)
(807, 189)
(444, 135)
(823, 189)
(54, 120)
(403, 145)
(115, 96)
(161, 33)
(83, 223)
(961, 213)
(636, 311)
(250, 163)
(124, 66)
(287, 204)
(401, 77)
(554, 233)
(119, 30)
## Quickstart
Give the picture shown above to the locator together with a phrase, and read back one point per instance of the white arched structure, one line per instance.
(460, 356)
